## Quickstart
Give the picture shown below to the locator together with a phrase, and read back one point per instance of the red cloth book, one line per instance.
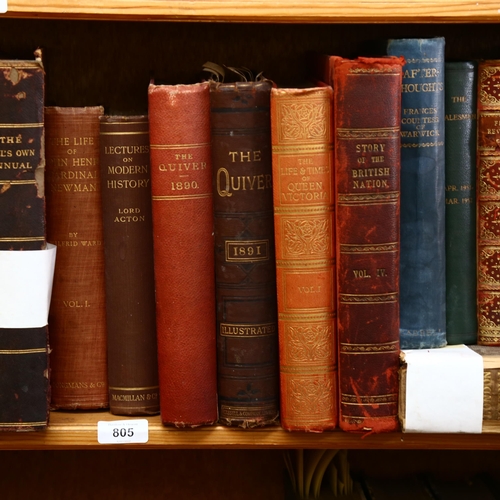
(367, 104)
(181, 182)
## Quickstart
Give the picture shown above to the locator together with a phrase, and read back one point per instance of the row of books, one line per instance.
(247, 254)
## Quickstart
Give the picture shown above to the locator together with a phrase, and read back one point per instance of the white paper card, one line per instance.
(3, 6)
(444, 390)
(26, 286)
(123, 431)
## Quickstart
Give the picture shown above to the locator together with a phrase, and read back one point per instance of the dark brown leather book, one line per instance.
(247, 330)
(181, 177)
(488, 203)
(367, 103)
(22, 201)
(24, 385)
(24, 380)
(77, 318)
(128, 259)
(303, 174)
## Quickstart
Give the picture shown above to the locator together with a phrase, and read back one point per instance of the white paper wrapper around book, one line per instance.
(26, 287)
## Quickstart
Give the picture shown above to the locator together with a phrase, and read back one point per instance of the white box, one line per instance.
(441, 390)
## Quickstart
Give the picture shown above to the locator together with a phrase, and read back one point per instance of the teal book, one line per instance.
(422, 260)
(460, 179)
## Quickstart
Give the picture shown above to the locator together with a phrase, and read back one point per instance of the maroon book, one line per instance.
(367, 103)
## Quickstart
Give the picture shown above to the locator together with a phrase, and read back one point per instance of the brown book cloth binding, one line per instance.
(367, 104)
(302, 139)
(24, 359)
(488, 203)
(129, 271)
(77, 318)
(181, 175)
(247, 332)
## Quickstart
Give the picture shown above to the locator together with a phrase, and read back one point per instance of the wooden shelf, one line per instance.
(314, 11)
(132, 52)
(68, 430)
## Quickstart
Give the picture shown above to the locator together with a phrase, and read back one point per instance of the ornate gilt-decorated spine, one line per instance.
(24, 367)
(128, 254)
(247, 331)
(302, 155)
(77, 318)
(367, 103)
(181, 181)
(488, 203)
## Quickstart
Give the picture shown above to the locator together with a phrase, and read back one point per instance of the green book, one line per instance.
(460, 213)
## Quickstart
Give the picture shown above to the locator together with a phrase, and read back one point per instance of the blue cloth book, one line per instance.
(422, 260)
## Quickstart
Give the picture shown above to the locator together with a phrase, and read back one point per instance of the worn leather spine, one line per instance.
(24, 381)
(24, 358)
(460, 178)
(245, 273)
(423, 260)
(303, 177)
(128, 258)
(22, 201)
(367, 103)
(181, 177)
(77, 318)
(488, 203)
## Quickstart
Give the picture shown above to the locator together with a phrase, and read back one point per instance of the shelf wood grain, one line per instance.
(68, 430)
(315, 11)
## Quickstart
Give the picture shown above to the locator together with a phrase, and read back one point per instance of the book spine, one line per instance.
(423, 262)
(181, 177)
(77, 318)
(24, 385)
(24, 358)
(491, 380)
(22, 200)
(245, 273)
(488, 203)
(460, 178)
(129, 272)
(367, 169)
(302, 159)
